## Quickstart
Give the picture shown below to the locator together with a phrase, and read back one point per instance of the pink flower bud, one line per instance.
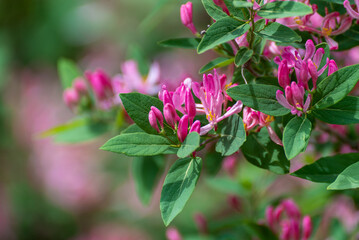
(229, 164)
(234, 202)
(182, 130)
(196, 126)
(332, 67)
(283, 74)
(101, 84)
(221, 4)
(166, 97)
(201, 222)
(173, 234)
(71, 97)
(153, 121)
(291, 208)
(313, 71)
(270, 216)
(170, 114)
(158, 115)
(190, 106)
(310, 50)
(307, 227)
(186, 17)
(80, 86)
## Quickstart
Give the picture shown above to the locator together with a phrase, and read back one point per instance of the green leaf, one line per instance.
(213, 162)
(296, 136)
(132, 129)
(146, 172)
(242, 4)
(260, 97)
(336, 86)
(213, 10)
(243, 55)
(262, 152)
(232, 135)
(137, 144)
(237, 12)
(224, 30)
(189, 145)
(67, 71)
(178, 187)
(189, 43)
(216, 63)
(347, 179)
(326, 169)
(284, 9)
(138, 106)
(279, 33)
(342, 113)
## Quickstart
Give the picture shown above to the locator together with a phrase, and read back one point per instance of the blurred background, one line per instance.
(75, 191)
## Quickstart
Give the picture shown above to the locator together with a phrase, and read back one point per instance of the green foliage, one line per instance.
(189, 145)
(67, 71)
(146, 172)
(137, 144)
(213, 10)
(336, 86)
(189, 43)
(216, 63)
(278, 33)
(347, 179)
(232, 135)
(242, 4)
(262, 152)
(326, 169)
(223, 30)
(296, 136)
(260, 97)
(178, 187)
(243, 55)
(284, 9)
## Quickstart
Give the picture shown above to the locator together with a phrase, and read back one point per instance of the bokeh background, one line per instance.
(78, 192)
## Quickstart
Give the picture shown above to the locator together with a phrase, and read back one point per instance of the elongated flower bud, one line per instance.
(190, 106)
(71, 97)
(196, 126)
(158, 115)
(182, 130)
(80, 86)
(153, 121)
(186, 16)
(170, 114)
(283, 74)
(332, 67)
(307, 227)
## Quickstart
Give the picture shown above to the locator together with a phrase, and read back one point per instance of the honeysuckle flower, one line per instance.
(155, 117)
(283, 74)
(250, 118)
(307, 227)
(186, 16)
(71, 97)
(196, 126)
(294, 99)
(80, 86)
(171, 115)
(190, 105)
(182, 130)
(332, 67)
(101, 84)
(350, 10)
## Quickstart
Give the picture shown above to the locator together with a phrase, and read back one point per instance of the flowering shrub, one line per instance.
(281, 84)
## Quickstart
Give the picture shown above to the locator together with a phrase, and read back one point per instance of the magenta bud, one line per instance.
(270, 216)
(229, 164)
(101, 84)
(170, 114)
(153, 121)
(190, 106)
(71, 97)
(80, 86)
(307, 227)
(291, 208)
(167, 97)
(234, 202)
(310, 50)
(173, 234)
(313, 71)
(283, 74)
(182, 130)
(201, 222)
(186, 16)
(158, 115)
(196, 126)
(332, 67)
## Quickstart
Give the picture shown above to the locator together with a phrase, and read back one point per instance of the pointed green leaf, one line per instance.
(242, 4)
(216, 63)
(326, 169)
(336, 86)
(189, 43)
(243, 55)
(137, 144)
(296, 136)
(189, 145)
(178, 187)
(224, 30)
(279, 33)
(347, 179)
(232, 135)
(284, 9)
(67, 71)
(213, 10)
(260, 97)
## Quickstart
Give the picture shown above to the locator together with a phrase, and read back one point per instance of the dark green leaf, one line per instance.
(283, 9)
(347, 179)
(296, 136)
(216, 63)
(178, 187)
(213, 10)
(224, 30)
(336, 86)
(279, 33)
(189, 43)
(213, 162)
(326, 169)
(67, 71)
(262, 152)
(260, 97)
(137, 144)
(189, 145)
(243, 55)
(237, 12)
(344, 112)
(146, 172)
(132, 129)
(232, 135)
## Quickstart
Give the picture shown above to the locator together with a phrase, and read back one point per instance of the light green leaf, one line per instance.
(224, 30)
(336, 86)
(178, 187)
(296, 136)
(216, 63)
(68, 71)
(279, 33)
(137, 144)
(232, 135)
(243, 55)
(189, 145)
(260, 97)
(348, 179)
(283, 9)
(189, 43)
(242, 4)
